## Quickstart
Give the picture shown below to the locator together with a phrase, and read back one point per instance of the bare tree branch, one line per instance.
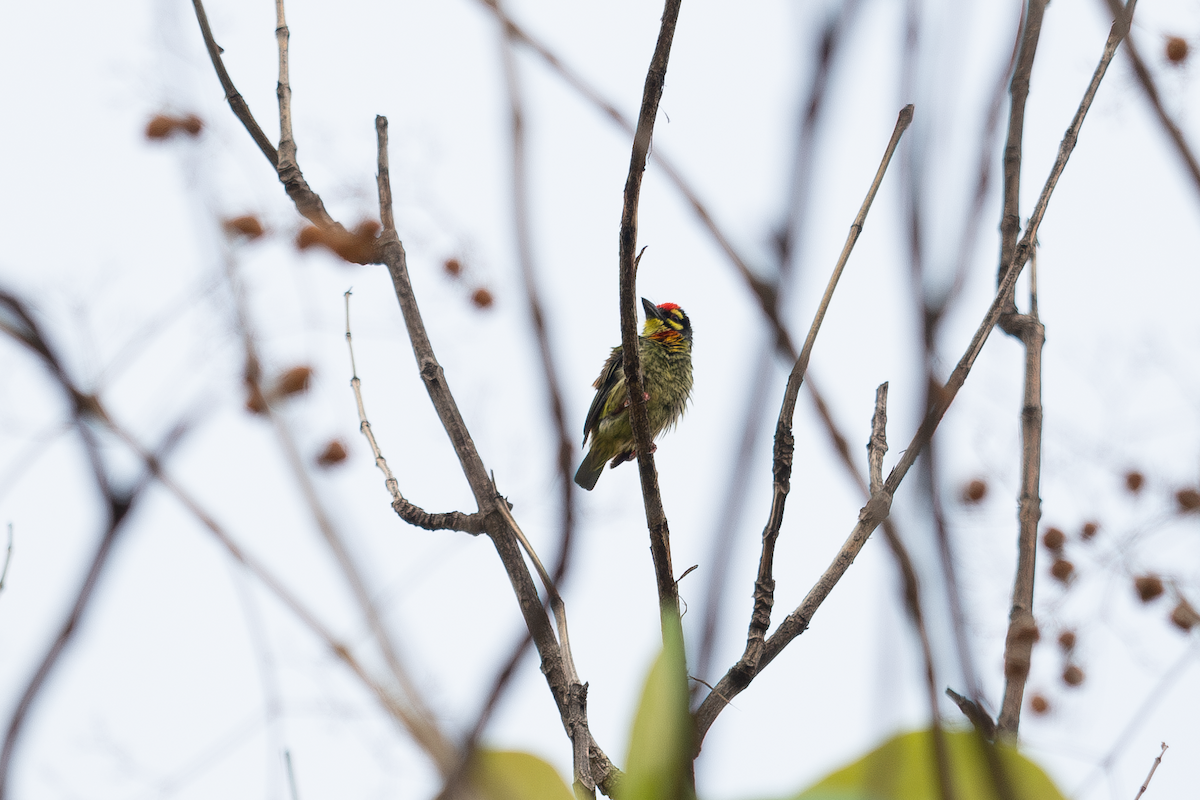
(1018, 646)
(505, 536)
(236, 102)
(764, 585)
(656, 519)
(876, 448)
(307, 202)
(732, 506)
(1010, 222)
(413, 515)
(1022, 630)
(1153, 767)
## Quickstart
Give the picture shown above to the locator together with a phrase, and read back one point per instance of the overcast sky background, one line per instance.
(189, 680)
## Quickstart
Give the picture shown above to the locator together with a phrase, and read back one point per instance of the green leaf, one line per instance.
(511, 775)
(661, 744)
(904, 769)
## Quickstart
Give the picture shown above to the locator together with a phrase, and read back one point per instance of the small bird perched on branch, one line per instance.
(665, 347)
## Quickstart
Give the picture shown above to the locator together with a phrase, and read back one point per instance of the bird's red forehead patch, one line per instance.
(667, 306)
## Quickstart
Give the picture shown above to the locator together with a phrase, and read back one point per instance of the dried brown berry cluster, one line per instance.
(359, 246)
(163, 126)
(481, 297)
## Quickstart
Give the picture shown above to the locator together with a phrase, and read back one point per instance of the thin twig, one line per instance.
(1010, 222)
(307, 202)
(1018, 648)
(1153, 767)
(283, 89)
(729, 518)
(1152, 699)
(656, 519)
(1029, 329)
(764, 585)
(413, 515)
(876, 449)
(236, 102)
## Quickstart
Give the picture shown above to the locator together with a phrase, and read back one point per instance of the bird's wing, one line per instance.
(611, 377)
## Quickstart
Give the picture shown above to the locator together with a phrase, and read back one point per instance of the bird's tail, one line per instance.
(589, 471)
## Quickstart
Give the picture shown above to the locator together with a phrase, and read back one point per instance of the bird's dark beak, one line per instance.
(652, 311)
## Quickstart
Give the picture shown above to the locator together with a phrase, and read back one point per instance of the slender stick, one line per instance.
(876, 448)
(1010, 221)
(764, 585)
(283, 89)
(413, 515)
(656, 520)
(1153, 767)
(236, 102)
(1018, 647)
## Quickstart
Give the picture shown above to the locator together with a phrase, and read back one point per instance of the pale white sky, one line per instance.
(188, 680)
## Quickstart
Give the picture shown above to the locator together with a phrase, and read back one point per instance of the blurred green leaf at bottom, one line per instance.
(509, 775)
(903, 768)
(661, 743)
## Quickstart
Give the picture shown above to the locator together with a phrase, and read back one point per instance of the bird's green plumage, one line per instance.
(665, 347)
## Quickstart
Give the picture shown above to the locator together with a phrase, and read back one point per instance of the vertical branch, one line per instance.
(307, 201)
(1022, 630)
(876, 449)
(1010, 221)
(656, 519)
(283, 89)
